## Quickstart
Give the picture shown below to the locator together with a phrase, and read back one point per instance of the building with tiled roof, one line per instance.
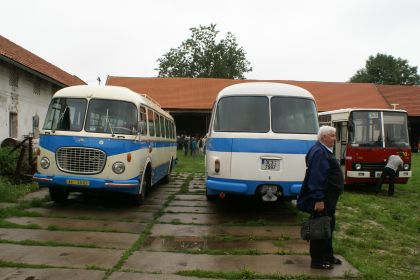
(27, 83)
(190, 100)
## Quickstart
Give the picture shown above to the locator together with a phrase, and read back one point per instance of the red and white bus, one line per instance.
(365, 140)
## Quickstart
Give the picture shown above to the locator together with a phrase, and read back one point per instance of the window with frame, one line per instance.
(151, 122)
(143, 121)
(14, 77)
(157, 117)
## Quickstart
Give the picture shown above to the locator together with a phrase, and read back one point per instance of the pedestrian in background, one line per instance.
(390, 170)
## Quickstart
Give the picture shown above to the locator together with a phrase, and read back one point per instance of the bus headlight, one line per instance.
(118, 167)
(358, 166)
(406, 166)
(44, 162)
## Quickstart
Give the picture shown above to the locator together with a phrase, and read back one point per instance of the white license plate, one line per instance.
(270, 164)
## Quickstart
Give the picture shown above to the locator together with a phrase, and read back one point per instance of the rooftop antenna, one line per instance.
(99, 80)
(394, 106)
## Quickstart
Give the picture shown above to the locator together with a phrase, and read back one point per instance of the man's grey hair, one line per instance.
(325, 129)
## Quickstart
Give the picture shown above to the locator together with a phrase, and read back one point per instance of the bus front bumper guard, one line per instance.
(84, 182)
(377, 174)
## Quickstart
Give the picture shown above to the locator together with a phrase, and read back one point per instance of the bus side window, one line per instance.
(157, 117)
(143, 121)
(151, 121)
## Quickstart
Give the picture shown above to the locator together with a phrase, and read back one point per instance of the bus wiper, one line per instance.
(107, 122)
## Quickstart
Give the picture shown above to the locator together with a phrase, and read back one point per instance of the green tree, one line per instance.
(387, 70)
(201, 56)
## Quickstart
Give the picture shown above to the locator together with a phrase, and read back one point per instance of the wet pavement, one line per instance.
(175, 230)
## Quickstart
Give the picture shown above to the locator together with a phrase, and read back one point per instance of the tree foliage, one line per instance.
(387, 70)
(201, 56)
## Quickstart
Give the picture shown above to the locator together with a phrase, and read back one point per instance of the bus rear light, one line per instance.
(129, 157)
(217, 166)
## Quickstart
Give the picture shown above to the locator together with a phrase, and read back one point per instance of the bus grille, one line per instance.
(369, 166)
(80, 160)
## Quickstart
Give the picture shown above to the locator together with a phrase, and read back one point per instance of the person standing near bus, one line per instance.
(323, 184)
(390, 170)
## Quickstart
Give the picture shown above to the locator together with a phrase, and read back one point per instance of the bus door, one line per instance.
(341, 143)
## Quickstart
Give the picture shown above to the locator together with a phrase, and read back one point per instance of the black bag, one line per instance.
(316, 228)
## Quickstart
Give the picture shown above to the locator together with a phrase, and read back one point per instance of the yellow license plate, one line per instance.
(78, 182)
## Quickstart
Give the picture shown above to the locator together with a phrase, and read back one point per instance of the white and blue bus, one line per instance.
(104, 138)
(257, 141)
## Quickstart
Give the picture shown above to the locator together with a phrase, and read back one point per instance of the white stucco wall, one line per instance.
(22, 100)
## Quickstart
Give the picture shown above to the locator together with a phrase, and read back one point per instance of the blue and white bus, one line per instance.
(104, 138)
(258, 138)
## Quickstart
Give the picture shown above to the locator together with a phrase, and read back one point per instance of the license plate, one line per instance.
(78, 182)
(270, 164)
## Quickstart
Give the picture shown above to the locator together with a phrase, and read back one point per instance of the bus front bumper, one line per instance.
(86, 183)
(376, 174)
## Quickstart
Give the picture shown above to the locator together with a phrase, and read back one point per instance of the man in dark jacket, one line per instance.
(322, 186)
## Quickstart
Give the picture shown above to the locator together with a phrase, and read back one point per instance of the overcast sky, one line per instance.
(303, 40)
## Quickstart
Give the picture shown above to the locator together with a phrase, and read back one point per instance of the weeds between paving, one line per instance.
(376, 233)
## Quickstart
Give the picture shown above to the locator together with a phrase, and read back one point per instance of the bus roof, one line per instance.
(264, 89)
(110, 92)
(349, 110)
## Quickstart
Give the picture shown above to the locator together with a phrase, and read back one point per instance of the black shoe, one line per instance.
(335, 261)
(325, 265)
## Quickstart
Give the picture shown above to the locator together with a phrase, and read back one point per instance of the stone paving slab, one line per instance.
(190, 197)
(262, 264)
(75, 224)
(192, 209)
(39, 194)
(214, 219)
(193, 203)
(148, 208)
(50, 274)
(146, 276)
(4, 205)
(268, 232)
(99, 239)
(198, 244)
(105, 214)
(60, 256)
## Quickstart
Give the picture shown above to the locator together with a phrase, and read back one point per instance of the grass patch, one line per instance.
(187, 163)
(10, 192)
(379, 234)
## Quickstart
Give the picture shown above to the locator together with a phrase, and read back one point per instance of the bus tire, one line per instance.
(140, 198)
(58, 194)
(166, 179)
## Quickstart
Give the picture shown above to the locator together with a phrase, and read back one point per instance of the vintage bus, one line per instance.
(365, 140)
(257, 141)
(104, 138)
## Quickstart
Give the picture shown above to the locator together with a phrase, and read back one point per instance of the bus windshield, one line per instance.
(367, 129)
(293, 115)
(242, 114)
(65, 114)
(111, 116)
(396, 133)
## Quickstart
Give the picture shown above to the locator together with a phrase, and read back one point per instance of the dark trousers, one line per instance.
(322, 250)
(388, 172)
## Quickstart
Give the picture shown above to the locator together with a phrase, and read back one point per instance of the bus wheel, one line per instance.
(141, 197)
(165, 179)
(58, 194)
